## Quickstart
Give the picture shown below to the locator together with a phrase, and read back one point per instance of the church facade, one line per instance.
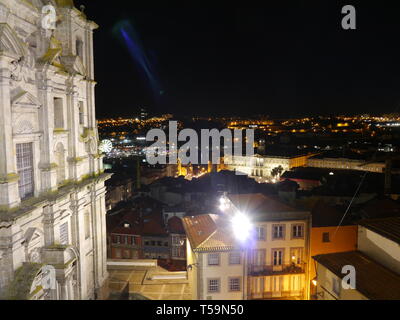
(52, 194)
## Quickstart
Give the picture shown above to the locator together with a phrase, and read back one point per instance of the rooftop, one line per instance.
(205, 233)
(326, 215)
(266, 208)
(373, 280)
(388, 227)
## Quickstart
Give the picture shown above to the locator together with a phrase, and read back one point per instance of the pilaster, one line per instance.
(9, 195)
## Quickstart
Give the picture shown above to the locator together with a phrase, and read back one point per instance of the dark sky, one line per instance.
(285, 60)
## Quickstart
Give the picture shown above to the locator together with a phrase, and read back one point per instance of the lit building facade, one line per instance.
(272, 265)
(216, 266)
(261, 167)
(52, 194)
(345, 164)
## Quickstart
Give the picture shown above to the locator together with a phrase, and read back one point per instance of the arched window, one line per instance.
(60, 159)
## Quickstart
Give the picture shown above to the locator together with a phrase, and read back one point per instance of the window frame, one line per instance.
(216, 255)
(324, 239)
(239, 284)
(264, 233)
(209, 284)
(283, 232)
(302, 226)
(282, 257)
(239, 254)
(24, 152)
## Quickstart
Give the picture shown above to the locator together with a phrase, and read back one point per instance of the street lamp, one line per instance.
(223, 203)
(241, 226)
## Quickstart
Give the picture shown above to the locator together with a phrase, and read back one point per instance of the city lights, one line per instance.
(241, 226)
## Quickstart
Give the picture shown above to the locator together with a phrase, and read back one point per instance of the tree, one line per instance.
(277, 172)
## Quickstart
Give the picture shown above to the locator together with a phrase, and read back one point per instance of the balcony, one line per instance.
(270, 270)
(274, 296)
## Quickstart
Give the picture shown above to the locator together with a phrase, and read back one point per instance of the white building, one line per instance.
(261, 167)
(345, 164)
(52, 194)
(216, 265)
(376, 264)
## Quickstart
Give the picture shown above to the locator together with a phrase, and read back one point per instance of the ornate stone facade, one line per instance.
(52, 194)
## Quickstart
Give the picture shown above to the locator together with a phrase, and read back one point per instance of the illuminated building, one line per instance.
(261, 167)
(52, 203)
(269, 263)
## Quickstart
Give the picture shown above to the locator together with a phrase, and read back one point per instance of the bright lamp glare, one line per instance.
(241, 226)
(223, 204)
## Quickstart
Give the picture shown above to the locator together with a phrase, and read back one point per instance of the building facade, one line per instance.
(216, 266)
(52, 194)
(345, 164)
(273, 264)
(278, 259)
(261, 168)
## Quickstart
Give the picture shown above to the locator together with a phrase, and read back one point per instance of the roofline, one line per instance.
(378, 231)
(341, 276)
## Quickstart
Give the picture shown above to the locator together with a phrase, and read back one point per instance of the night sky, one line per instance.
(286, 60)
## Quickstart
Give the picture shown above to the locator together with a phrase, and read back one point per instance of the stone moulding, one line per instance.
(11, 177)
(87, 134)
(20, 287)
(9, 215)
(48, 167)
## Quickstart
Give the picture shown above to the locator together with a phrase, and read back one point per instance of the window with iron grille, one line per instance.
(176, 252)
(234, 258)
(213, 285)
(213, 259)
(25, 169)
(64, 234)
(176, 240)
(234, 284)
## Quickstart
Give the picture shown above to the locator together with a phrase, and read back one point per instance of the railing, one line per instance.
(266, 270)
(273, 296)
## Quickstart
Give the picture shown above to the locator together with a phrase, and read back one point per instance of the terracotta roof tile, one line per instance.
(199, 228)
(207, 233)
